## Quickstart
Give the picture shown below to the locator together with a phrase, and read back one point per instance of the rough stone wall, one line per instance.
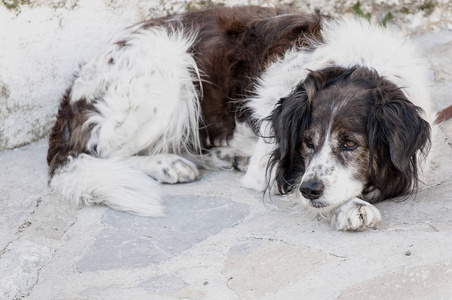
(43, 43)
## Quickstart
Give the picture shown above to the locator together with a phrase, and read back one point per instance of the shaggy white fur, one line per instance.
(149, 101)
(89, 180)
(150, 105)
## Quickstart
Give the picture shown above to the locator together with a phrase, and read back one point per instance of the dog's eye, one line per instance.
(349, 145)
(309, 143)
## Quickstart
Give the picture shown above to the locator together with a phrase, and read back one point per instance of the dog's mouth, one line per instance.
(318, 203)
(314, 203)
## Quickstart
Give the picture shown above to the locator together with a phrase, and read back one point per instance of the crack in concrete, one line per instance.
(27, 223)
(431, 225)
(20, 229)
(4, 250)
(293, 244)
(38, 272)
(27, 292)
(21, 232)
(272, 240)
(338, 256)
(229, 287)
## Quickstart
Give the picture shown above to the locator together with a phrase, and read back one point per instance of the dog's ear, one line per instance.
(288, 120)
(397, 135)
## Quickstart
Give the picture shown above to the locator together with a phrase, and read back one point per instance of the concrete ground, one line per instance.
(221, 241)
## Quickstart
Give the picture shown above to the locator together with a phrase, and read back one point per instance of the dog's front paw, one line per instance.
(165, 168)
(355, 215)
(254, 181)
(177, 169)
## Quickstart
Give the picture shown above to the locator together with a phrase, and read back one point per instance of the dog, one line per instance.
(335, 114)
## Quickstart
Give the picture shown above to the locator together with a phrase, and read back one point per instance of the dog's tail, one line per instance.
(81, 177)
(90, 180)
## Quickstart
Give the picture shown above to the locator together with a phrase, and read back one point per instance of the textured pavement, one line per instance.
(221, 241)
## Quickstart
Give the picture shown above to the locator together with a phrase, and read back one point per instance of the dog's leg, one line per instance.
(223, 158)
(255, 177)
(355, 215)
(233, 154)
(165, 168)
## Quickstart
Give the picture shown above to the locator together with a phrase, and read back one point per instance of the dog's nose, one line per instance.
(312, 189)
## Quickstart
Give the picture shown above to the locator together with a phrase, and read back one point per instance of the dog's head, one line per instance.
(344, 133)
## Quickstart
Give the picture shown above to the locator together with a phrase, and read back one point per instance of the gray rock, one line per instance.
(129, 241)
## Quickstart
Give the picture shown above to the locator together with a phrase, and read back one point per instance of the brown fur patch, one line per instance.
(444, 115)
(67, 137)
(235, 44)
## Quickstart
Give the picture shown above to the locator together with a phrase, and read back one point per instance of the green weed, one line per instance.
(359, 12)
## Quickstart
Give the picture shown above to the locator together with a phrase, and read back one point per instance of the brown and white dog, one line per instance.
(334, 113)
